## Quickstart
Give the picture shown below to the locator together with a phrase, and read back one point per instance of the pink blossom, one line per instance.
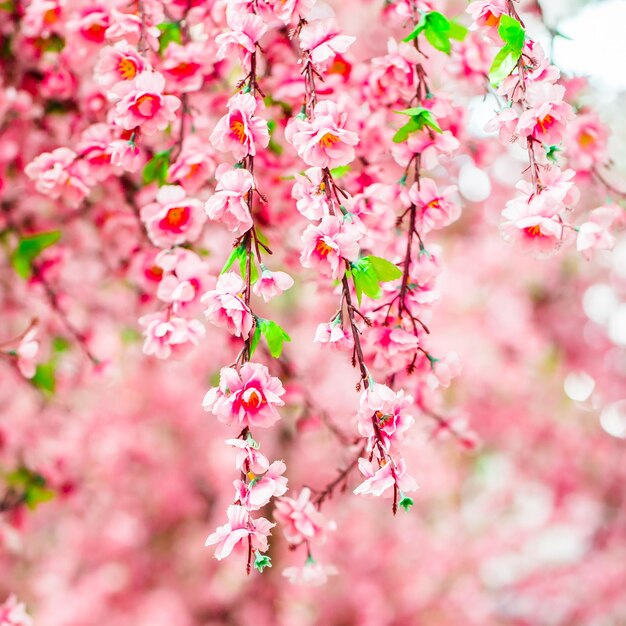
(328, 244)
(595, 234)
(246, 398)
(309, 191)
(185, 278)
(141, 102)
(91, 24)
(248, 457)
(271, 284)
(379, 479)
(229, 203)
(505, 123)
(58, 174)
(193, 166)
(587, 142)
(41, 18)
(242, 39)
(431, 146)
(288, 10)
(168, 335)
(545, 123)
(322, 40)
(335, 336)
(13, 613)
(27, 352)
(125, 154)
(174, 218)
(443, 370)
(392, 346)
(241, 131)
(387, 409)
(260, 490)
(434, 209)
(240, 526)
(323, 141)
(311, 574)
(225, 305)
(486, 14)
(393, 75)
(300, 519)
(183, 66)
(130, 27)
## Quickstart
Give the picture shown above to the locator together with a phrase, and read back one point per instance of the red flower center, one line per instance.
(175, 219)
(251, 399)
(323, 248)
(147, 105)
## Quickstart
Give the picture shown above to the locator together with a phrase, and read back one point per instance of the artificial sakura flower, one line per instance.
(241, 131)
(545, 123)
(248, 456)
(311, 574)
(193, 166)
(41, 18)
(27, 351)
(288, 10)
(247, 397)
(229, 203)
(393, 75)
(240, 526)
(184, 278)
(384, 412)
(322, 40)
(586, 142)
(329, 244)
(443, 370)
(59, 174)
(182, 66)
(245, 31)
(125, 154)
(309, 192)
(392, 346)
(300, 519)
(91, 23)
(174, 218)
(141, 103)
(434, 209)
(431, 146)
(271, 284)
(323, 141)
(169, 335)
(595, 234)
(261, 489)
(381, 477)
(486, 14)
(226, 307)
(334, 336)
(505, 124)
(13, 613)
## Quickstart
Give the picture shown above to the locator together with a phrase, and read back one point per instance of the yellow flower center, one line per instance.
(238, 130)
(127, 68)
(328, 140)
(323, 248)
(586, 139)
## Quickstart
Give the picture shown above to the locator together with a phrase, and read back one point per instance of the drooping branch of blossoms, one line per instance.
(539, 119)
(247, 395)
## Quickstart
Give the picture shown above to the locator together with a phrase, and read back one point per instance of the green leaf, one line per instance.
(254, 342)
(385, 270)
(156, 169)
(35, 495)
(365, 279)
(29, 248)
(420, 117)
(403, 133)
(254, 272)
(511, 32)
(237, 254)
(503, 64)
(416, 32)
(437, 31)
(261, 561)
(170, 32)
(45, 378)
(406, 503)
(274, 335)
(551, 153)
(457, 31)
(340, 172)
(31, 484)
